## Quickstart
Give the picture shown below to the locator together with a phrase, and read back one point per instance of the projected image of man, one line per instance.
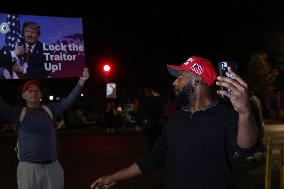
(32, 50)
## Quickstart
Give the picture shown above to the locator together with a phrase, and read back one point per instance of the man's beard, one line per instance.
(185, 96)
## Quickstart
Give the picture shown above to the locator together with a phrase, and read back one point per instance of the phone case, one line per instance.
(223, 70)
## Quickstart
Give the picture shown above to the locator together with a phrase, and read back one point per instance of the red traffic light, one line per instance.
(106, 68)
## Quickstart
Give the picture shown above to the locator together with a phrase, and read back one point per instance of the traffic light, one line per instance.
(106, 68)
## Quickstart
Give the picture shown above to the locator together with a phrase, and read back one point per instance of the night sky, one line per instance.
(140, 38)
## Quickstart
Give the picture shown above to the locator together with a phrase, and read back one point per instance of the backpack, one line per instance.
(21, 118)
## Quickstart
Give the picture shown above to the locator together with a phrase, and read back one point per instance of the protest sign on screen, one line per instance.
(40, 47)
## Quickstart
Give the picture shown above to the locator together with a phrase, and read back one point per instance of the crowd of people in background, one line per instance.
(145, 114)
(114, 115)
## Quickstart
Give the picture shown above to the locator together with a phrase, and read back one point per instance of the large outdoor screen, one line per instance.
(40, 47)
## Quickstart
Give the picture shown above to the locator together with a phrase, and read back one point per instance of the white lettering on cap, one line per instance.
(188, 61)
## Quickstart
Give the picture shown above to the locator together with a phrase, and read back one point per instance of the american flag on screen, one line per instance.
(13, 37)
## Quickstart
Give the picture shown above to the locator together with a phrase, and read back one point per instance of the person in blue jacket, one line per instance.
(37, 150)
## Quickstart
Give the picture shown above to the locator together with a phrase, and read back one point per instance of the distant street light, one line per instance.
(51, 97)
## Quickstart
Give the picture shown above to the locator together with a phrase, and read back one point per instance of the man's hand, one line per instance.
(18, 68)
(19, 50)
(247, 131)
(103, 183)
(125, 173)
(85, 76)
(239, 91)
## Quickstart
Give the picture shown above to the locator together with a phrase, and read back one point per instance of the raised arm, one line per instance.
(70, 99)
(9, 112)
(247, 130)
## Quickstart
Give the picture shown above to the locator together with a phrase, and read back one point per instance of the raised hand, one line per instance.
(238, 94)
(84, 77)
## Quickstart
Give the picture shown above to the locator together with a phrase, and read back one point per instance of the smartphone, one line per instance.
(223, 70)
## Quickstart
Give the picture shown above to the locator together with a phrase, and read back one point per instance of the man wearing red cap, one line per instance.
(198, 141)
(37, 150)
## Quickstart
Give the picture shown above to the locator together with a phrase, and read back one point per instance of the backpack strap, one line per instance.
(22, 114)
(48, 111)
(16, 148)
(21, 118)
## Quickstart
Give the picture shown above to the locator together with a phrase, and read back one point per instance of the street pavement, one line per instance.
(86, 155)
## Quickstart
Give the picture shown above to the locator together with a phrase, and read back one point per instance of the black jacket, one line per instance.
(36, 64)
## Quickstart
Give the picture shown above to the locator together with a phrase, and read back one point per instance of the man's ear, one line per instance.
(198, 80)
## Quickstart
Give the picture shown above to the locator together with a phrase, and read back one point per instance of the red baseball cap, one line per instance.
(28, 83)
(196, 65)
